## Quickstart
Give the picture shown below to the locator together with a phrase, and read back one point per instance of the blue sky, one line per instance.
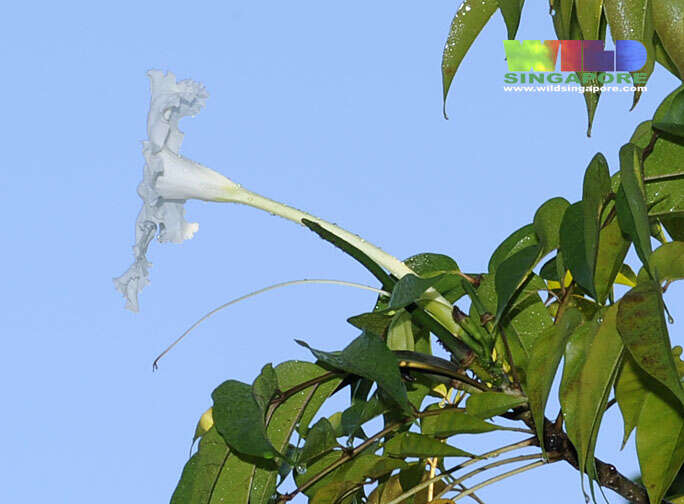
(334, 108)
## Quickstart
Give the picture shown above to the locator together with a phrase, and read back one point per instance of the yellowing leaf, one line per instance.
(623, 280)
(567, 280)
(205, 423)
(441, 390)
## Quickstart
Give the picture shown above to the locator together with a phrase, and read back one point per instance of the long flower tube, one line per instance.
(169, 179)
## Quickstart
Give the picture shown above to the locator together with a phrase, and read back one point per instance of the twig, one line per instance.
(564, 302)
(473, 281)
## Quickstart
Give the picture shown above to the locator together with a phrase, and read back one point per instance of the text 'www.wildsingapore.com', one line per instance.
(565, 88)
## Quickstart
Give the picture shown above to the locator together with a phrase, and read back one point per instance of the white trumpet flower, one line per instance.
(170, 179)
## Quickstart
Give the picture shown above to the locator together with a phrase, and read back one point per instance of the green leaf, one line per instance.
(320, 439)
(410, 444)
(293, 372)
(667, 262)
(663, 58)
(632, 20)
(612, 249)
(589, 79)
(641, 138)
(449, 422)
(412, 475)
(240, 421)
(674, 225)
(213, 474)
(589, 16)
(665, 187)
(660, 441)
(595, 190)
(547, 222)
(523, 324)
(489, 404)
(510, 10)
(265, 386)
(332, 492)
(465, 27)
(430, 265)
(374, 322)
(630, 202)
(400, 333)
(360, 413)
(592, 357)
(549, 270)
(355, 470)
(668, 16)
(561, 12)
(541, 369)
(305, 473)
(371, 466)
(663, 170)
(518, 240)
(573, 247)
(409, 288)
(672, 119)
(369, 357)
(511, 274)
(641, 323)
(631, 388)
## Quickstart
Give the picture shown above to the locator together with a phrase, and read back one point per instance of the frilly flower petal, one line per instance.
(168, 178)
(171, 101)
(137, 275)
